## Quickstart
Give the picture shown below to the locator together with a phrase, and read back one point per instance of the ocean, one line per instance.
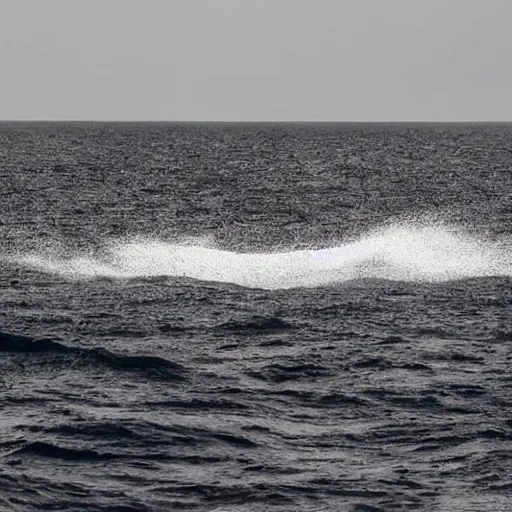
(253, 317)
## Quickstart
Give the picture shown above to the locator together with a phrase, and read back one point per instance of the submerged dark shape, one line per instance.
(53, 451)
(16, 343)
(290, 371)
(257, 323)
(151, 366)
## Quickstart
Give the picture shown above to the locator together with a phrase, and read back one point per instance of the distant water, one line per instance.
(254, 317)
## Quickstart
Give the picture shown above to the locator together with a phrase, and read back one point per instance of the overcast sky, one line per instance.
(241, 60)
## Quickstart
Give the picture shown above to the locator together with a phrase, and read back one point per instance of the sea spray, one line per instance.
(404, 251)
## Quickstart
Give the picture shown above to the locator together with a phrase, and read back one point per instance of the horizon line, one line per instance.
(198, 121)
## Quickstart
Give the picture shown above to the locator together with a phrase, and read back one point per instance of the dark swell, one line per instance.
(150, 366)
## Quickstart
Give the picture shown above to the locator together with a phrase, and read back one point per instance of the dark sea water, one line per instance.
(254, 317)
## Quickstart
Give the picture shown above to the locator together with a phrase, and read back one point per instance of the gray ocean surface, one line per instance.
(253, 317)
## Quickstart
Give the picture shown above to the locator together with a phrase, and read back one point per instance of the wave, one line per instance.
(256, 324)
(78, 357)
(402, 252)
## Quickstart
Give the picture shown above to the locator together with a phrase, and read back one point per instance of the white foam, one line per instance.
(404, 252)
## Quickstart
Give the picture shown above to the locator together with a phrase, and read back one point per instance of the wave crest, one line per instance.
(404, 252)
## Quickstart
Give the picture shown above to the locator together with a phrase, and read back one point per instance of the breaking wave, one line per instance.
(403, 252)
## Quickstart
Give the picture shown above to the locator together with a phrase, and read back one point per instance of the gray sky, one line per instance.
(240, 60)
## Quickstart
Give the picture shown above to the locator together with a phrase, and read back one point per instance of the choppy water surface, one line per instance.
(254, 317)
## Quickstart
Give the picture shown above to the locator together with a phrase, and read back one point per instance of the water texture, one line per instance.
(255, 317)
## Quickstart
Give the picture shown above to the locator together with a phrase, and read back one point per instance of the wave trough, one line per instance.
(403, 252)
